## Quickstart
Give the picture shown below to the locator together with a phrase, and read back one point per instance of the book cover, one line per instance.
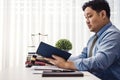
(47, 51)
(62, 74)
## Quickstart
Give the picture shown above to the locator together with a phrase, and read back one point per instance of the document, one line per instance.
(49, 67)
(47, 51)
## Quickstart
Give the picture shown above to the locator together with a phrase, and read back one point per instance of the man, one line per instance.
(100, 57)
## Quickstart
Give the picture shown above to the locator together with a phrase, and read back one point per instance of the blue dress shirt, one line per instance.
(105, 62)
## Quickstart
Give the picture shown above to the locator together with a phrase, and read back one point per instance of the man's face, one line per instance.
(94, 20)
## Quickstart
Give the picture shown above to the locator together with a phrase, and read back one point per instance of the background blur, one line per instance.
(21, 22)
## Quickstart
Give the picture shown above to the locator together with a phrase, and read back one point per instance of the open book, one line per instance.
(47, 51)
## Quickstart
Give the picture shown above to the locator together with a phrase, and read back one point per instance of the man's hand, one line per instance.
(57, 61)
(60, 62)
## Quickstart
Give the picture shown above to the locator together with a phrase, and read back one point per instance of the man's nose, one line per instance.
(87, 21)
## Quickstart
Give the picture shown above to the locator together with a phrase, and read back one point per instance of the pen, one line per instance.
(63, 71)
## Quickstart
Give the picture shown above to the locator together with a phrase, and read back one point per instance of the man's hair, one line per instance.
(98, 5)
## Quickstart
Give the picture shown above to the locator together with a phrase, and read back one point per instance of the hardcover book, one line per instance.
(62, 74)
(47, 51)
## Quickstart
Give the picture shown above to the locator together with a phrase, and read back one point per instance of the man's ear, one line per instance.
(103, 14)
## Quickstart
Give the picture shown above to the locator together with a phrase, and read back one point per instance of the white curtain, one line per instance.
(21, 19)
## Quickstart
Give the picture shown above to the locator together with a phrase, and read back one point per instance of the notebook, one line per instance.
(47, 51)
(62, 74)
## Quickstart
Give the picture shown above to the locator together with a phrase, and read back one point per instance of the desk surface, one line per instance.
(27, 74)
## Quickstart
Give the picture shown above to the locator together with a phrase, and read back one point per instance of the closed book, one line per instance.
(62, 74)
(47, 51)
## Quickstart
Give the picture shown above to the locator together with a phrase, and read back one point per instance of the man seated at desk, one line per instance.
(101, 56)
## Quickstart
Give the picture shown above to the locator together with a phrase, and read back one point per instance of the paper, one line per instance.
(37, 72)
(46, 68)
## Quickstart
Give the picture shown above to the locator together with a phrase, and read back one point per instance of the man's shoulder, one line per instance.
(112, 30)
(111, 33)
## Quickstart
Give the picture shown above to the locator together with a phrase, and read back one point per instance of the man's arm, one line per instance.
(107, 53)
(62, 63)
(82, 55)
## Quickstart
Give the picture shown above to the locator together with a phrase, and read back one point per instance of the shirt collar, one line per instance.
(104, 29)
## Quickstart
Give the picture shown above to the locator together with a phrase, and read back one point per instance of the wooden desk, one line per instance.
(27, 74)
